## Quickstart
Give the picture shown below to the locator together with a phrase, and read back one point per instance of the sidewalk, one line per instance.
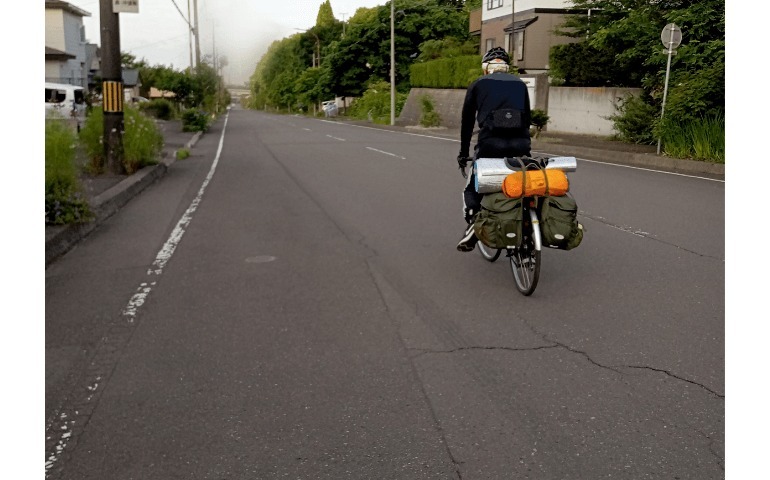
(107, 193)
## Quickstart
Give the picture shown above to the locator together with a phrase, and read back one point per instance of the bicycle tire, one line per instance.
(490, 254)
(525, 264)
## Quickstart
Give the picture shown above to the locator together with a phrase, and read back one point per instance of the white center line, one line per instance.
(386, 153)
(336, 138)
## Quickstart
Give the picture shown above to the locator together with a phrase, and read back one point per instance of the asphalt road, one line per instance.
(288, 303)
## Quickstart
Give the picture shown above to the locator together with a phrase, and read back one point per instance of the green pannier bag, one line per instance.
(558, 223)
(499, 223)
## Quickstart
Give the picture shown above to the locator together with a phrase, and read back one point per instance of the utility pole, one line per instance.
(112, 88)
(189, 36)
(514, 54)
(392, 64)
(197, 36)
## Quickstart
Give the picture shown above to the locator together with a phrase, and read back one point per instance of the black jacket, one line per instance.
(489, 93)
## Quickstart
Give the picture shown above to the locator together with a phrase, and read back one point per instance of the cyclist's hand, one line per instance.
(462, 162)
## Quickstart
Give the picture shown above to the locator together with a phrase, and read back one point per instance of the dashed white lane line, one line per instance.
(386, 153)
(168, 248)
(337, 138)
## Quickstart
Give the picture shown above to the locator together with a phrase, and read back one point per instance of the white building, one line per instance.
(66, 59)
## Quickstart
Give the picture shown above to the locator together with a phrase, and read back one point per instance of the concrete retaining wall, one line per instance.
(584, 110)
(571, 109)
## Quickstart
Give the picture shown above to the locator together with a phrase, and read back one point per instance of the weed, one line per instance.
(429, 117)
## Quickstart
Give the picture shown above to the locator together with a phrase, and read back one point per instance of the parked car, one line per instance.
(330, 108)
(64, 98)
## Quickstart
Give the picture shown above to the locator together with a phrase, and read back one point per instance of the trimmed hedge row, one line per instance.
(456, 72)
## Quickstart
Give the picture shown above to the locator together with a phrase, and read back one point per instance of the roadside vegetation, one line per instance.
(64, 199)
(619, 46)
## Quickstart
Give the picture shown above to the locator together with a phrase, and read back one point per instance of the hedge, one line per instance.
(456, 72)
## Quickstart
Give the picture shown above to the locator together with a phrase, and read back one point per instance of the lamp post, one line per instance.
(392, 65)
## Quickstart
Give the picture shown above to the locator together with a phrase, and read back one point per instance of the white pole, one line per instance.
(665, 88)
(392, 65)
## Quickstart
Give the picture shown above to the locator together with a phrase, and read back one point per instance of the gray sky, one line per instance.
(242, 29)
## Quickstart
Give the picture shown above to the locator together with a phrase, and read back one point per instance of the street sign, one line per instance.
(671, 36)
(125, 6)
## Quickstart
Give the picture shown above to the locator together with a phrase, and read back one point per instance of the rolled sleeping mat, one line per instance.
(490, 173)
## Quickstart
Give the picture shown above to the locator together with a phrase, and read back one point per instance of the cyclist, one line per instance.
(499, 102)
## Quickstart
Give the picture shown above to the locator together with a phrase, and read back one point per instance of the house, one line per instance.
(66, 49)
(131, 83)
(529, 38)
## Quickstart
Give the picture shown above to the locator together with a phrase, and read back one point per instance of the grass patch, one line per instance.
(182, 153)
(701, 139)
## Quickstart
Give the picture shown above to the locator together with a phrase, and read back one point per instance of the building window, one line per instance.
(490, 44)
(492, 4)
(507, 43)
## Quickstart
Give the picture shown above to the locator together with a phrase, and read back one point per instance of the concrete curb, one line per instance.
(640, 160)
(60, 240)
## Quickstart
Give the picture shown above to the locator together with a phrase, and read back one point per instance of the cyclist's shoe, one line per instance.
(470, 215)
(468, 242)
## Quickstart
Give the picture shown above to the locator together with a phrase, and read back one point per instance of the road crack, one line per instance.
(641, 233)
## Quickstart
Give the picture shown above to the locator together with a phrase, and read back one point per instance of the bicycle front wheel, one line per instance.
(525, 265)
(490, 254)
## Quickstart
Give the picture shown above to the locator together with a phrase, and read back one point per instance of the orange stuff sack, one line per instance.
(558, 184)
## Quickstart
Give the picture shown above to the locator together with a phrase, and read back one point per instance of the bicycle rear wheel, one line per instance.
(525, 265)
(490, 254)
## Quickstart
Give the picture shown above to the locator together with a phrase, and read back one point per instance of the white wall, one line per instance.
(584, 110)
(520, 6)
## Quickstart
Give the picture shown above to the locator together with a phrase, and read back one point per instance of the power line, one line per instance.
(182, 14)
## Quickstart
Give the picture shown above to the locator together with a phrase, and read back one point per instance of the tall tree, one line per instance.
(325, 15)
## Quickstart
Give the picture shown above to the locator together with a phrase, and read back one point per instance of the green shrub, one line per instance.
(159, 108)
(142, 141)
(374, 104)
(539, 120)
(194, 120)
(64, 201)
(182, 153)
(635, 120)
(429, 117)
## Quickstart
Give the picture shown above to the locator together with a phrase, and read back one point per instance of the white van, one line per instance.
(63, 98)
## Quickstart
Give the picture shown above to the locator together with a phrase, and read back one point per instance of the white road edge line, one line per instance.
(386, 153)
(168, 248)
(582, 159)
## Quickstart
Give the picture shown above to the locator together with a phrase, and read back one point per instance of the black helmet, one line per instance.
(496, 53)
